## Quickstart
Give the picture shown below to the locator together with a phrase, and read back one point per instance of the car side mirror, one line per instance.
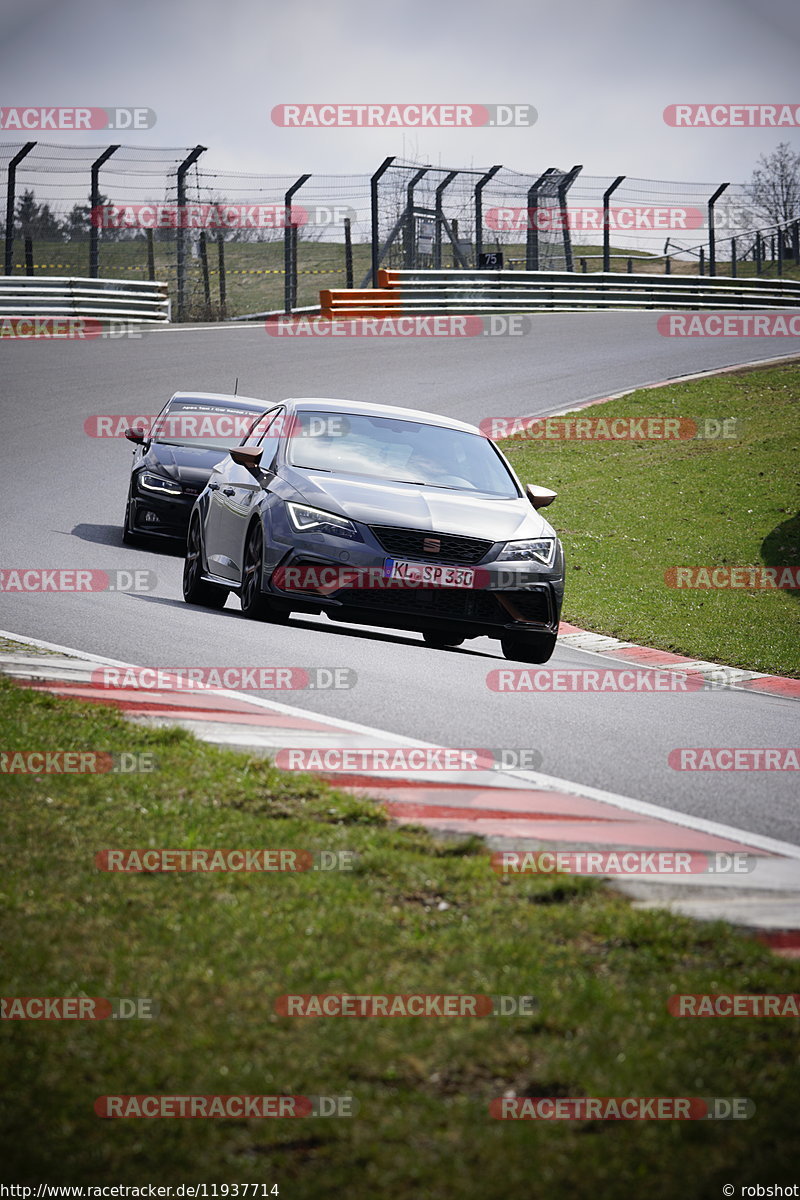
(540, 497)
(135, 435)
(247, 456)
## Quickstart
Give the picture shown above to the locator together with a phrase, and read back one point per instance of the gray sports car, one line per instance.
(378, 516)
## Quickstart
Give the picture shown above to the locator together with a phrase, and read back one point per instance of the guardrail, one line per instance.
(102, 299)
(411, 292)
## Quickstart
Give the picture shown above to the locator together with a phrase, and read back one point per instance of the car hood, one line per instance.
(428, 508)
(188, 464)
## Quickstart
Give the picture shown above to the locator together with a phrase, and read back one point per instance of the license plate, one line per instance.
(433, 574)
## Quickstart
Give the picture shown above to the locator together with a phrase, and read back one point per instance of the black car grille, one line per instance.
(410, 543)
(455, 604)
(529, 606)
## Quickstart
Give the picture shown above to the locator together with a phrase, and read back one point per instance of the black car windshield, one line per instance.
(399, 451)
(204, 423)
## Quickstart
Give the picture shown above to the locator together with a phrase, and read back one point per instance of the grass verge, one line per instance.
(216, 950)
(628, 511)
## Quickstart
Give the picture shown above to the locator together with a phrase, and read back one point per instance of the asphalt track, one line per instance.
(64, 495)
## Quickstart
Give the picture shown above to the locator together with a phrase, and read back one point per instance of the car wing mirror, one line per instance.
(135, 435)
(540, 497)
(247, 456)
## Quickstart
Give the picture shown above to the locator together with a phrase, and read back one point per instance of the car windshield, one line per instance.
(201, 423)
(399, 451)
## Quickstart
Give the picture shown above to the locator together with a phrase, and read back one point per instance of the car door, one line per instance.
(235, 492)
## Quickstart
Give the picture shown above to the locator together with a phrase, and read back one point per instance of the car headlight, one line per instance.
(541, 550)
(157, 483)
(314, 520)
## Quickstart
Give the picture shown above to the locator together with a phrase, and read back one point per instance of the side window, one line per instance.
(259, 430)
(157, 426)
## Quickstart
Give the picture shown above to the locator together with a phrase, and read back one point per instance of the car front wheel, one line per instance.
(195, 589)
(528, 647)
(255, 604)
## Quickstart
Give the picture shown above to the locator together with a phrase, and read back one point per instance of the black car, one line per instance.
(172, 462)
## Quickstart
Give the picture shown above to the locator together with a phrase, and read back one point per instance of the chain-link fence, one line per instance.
(230, 243)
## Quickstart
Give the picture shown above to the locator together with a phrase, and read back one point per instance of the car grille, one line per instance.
(529, 605)
(409, 543)
(456, 604)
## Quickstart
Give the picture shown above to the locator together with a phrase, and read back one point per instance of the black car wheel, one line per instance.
(195, 589)
(255, 604)
(441, 641)
(129, 538)
(528, 647)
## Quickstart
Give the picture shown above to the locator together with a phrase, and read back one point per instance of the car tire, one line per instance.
(442, 641)
(255, 605)
(528, 647)
(195, 589)
(129, 538)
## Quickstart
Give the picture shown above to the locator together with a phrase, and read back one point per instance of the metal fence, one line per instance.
(230, 243)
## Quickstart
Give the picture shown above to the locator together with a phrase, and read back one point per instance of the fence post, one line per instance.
(667, 265)
(437, 241)
(563, 188)
(607, 194)
(348, 254)
(780, 251)
(10, 203)
(180, 239)
(28, 254)
(479, 186)
(532, 236)
(94, 216)
(289, 258)
(223, 290)
(758, 252)
(582, 261)
(373, 187)
(712, 239)
(293, 251)
(204, 265)
(733, 258)
(151, 255)
(630, 266)
(409, 228)
(796, 243)
(702, 260)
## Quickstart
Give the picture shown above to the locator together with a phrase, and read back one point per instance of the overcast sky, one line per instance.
(599, 73)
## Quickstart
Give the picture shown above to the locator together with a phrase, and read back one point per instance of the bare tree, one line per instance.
(775, 185)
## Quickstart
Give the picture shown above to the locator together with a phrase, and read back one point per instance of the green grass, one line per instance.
(628, 511)
(414, 915)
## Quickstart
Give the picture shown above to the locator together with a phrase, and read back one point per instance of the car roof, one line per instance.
(357, 407)
(215, 397)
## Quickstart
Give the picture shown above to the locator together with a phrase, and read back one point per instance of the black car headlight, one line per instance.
(315, 520)
(542, 550)
(157, 483)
